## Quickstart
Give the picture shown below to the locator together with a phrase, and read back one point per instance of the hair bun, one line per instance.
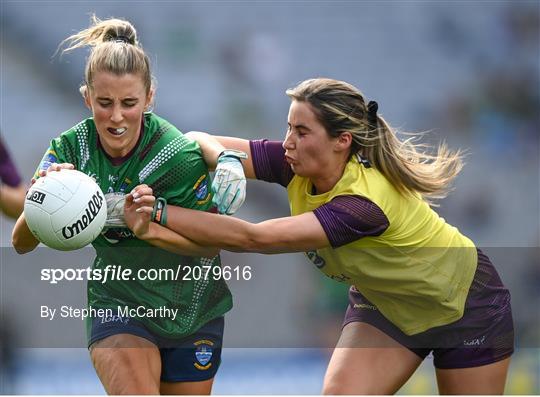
(372, 108)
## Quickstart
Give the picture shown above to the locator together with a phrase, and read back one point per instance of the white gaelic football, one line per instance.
(65, 210)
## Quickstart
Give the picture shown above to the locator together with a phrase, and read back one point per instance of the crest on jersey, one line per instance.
(316, 259)
(203, 354)
(201, 190)
(49, 158)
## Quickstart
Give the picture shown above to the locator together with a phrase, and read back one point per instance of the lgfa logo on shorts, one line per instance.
(203, 354)
(115, 318)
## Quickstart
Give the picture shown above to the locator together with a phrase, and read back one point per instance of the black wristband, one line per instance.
(159, 214)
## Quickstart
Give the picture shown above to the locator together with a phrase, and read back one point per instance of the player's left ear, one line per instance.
(343, 142)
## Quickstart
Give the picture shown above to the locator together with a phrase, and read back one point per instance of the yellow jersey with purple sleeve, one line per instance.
(416, 268)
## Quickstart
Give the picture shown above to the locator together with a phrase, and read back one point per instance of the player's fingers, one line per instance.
(145, 200)
(141, 190)
(239, 197)
(145, 210)
(146, 191)
(225, 201)
(128, 199)
(216, 199)
(51, 167)
(216, 184)
(60, 166)
(218, 194)
(235, 203)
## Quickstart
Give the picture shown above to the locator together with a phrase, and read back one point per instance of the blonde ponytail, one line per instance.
(409, 166)
(114, 49)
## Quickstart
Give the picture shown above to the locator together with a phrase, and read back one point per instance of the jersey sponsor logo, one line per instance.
(36, 197)
(92, 209)
(50, 158)
(203, 354)
(201, 190)
(316, 259)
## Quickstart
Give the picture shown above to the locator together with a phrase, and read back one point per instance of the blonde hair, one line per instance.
(115, 49)
(341, 107)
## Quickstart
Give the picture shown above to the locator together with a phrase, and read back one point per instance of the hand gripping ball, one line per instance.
(65, 210)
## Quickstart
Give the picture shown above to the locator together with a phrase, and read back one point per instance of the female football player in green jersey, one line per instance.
(360, 210)
(172, 345)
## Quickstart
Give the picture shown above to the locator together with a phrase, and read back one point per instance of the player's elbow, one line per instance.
(20, 246)
(257, 240)
(249, 245)
(21, 242)
(196, 135)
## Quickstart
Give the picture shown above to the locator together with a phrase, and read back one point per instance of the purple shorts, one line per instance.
(484, 335)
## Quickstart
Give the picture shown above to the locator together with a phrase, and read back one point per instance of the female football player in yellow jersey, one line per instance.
(360, 209)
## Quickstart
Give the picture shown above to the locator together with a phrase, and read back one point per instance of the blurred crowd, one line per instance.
(467, 72)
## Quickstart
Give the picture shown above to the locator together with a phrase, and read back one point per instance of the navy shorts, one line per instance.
(190, 359)
(484, 335)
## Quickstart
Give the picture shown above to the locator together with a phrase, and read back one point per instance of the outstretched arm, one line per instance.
(173, 242)
(155, 234)
(290, 234)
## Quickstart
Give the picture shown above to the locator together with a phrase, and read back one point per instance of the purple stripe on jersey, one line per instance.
(269, 163)
(8, 172)
(347, 218)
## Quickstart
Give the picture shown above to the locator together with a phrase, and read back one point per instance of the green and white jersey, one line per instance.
(173, 166)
